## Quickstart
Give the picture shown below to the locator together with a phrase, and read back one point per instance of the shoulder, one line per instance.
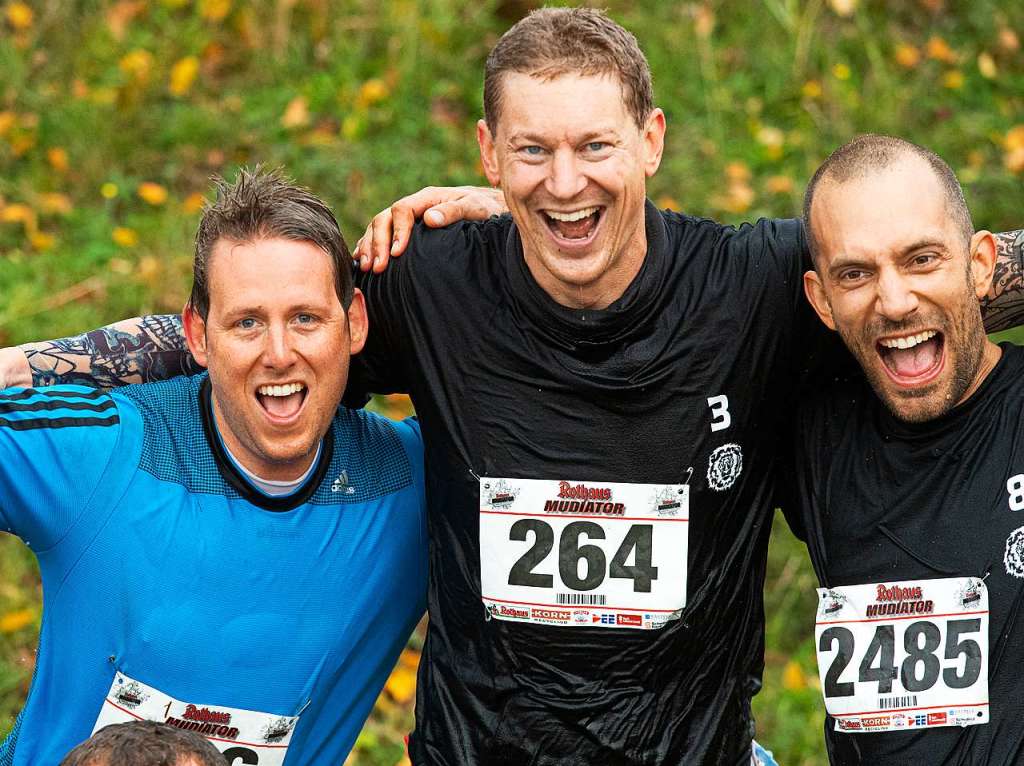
(373, 457)
(452, 246)
(779, 237)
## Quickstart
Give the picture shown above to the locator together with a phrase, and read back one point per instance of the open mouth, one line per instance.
(282, 402)
(913, 360)
(575, 227)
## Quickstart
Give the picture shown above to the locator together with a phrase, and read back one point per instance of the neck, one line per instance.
(249, 458)
(990, 355)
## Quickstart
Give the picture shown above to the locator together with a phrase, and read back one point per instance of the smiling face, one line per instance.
(573, 165)
(276, 341)
(899, 283)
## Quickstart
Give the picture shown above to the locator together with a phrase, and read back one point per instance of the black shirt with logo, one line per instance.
(684, 381)
(888, 503)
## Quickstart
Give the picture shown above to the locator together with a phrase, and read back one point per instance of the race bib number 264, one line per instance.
(573, 553)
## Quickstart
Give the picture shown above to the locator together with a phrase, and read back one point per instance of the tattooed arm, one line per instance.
(138, 350)
(1003, 307)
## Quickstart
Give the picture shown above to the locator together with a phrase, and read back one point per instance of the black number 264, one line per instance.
(571, 552)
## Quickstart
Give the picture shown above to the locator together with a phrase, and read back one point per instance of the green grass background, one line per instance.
(365, 101)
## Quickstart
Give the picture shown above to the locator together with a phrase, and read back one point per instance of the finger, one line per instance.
(364, 248)
(380, 243)
(403, 218)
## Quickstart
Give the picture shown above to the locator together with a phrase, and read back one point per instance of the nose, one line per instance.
(895, 299)
(278, 351)
(565, 180)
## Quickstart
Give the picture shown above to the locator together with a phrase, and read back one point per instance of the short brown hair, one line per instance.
(143, 743)
(551, 42)
(872, 152)
(264, 204)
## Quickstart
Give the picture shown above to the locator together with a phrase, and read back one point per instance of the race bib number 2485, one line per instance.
(573, 553)
(904, 655)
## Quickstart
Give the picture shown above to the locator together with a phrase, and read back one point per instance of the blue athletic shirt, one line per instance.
(168, 577)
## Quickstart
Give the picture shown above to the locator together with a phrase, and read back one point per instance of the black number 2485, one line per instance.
(919, 671)
(639, 538)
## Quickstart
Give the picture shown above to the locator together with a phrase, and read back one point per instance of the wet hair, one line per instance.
(143, 743)
(264, 204)
(872, 153)
(551, 42)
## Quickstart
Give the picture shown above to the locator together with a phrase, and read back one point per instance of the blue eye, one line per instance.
(533, 151)
(247, 324)
(305, 319)
(596, 146)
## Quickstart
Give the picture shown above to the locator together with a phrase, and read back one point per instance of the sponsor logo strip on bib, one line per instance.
(576, 553)
(243, 736)
(904, 655)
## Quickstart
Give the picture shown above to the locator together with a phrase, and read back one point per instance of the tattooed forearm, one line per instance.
(1003, 307)
(138, 350)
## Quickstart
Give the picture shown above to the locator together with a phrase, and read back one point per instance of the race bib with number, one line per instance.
(904, 655)
(242, 736)
(575, 553)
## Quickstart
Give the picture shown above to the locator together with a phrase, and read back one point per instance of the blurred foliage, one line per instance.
(114, 113)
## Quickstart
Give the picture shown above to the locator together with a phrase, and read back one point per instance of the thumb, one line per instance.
(435, 216)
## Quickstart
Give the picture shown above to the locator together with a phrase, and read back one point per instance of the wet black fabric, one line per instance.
(507, 383)
(884, 501)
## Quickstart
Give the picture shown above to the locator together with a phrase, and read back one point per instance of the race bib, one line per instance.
(904, 655)
(574, 553)
(242, 736)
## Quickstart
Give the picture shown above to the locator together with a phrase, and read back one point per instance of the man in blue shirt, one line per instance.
(232, 554)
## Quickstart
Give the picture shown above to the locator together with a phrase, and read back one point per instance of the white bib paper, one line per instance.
(242, 736)
(573, 553)
(904, 655)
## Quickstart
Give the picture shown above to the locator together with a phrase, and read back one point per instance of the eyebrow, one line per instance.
(590, 135)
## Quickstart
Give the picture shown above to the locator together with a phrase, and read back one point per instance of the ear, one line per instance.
(654, 141)
(815, 292)
(488, 153)
(983, 261)
(358, 322)
(195, 333)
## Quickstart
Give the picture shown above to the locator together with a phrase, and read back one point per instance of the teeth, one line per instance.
(910, 341)
(579, 215)
(286, 390)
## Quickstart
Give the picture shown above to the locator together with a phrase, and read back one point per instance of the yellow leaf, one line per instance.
(841, 72)
(703, 21)
(401, 684)
(939, 50)
(1008, 40)
(737, 171)
(22, 143)
(214, 10)
(137, 64)
(296, 114)
(793, 677)
(811, 89)
(54, 202)
(1014, 160)
(124, 236)
(779, 185)
(183, 75)
(19, 15)
(987, 65)
(953, 79)
(409, 658)
(150, 271)
(1015, 138)
(40, 240)
(7, 120)
(153, 193)
(108, 190)
(193, 203)
(371, 92)
(667, 203)
(15, 621)
(769, 136)
(843, 8)
(907, 56)
(18, 213)
(58, 159)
